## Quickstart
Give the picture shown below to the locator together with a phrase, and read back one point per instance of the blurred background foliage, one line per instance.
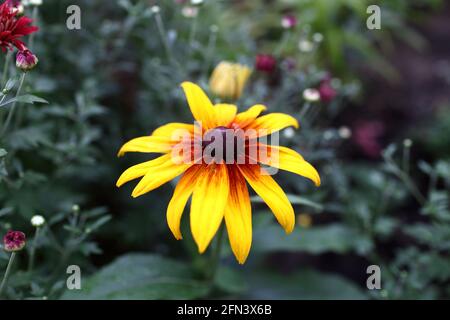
(384, 199)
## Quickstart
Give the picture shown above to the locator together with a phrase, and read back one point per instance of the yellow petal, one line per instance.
(245, 118)
(225, 114)
(141, 169)
(287, 159)
(158, 175)
(181, 195)
(272, 122)
(146, 144)
(238, 217)
(208, 203)
(271, 193)
(201, 107)
(173, 130)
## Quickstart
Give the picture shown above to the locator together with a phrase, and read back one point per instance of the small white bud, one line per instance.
(305, 46)
(407, 143)
(37, 221)
(155, 9)
(311, 95)
(345, 132)
(289, 133)
(317, 37)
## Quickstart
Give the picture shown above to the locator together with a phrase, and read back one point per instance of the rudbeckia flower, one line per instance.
(218, 189)
(228, 80)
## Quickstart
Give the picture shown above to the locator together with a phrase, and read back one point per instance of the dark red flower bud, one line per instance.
(327, 92)
(14, 241)
(265, 63)
(26, 60)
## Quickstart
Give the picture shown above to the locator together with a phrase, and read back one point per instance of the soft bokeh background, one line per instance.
(381, 145)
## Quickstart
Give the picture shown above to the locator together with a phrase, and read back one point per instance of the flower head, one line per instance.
(37, 221)
(14, 241)
(189, 11)
(12, 28)
(288, 21)
(26, 60)
(228, 79)
(218, 186)
(327, 92)
(265, 63)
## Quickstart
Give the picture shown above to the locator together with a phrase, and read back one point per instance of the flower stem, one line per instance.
(34, 16)
(7, 272)
(33, 250)
(163, 35)
(13, 107)
(6, 68)
(215, 257)
(284, 41)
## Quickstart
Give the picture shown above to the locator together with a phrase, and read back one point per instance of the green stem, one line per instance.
(34, 18)
(215, 257)
(13, 107)
(163, 35)
(8, 271)
(284, 41)
(33, 251)
(6, 68)
(192, 32)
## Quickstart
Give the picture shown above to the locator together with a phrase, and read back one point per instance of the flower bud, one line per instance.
(288, 21)
(14, 241)
(327, 92)
(265, 63)
(228, 79)
(311, 95)
(37, 221)
(26, 60)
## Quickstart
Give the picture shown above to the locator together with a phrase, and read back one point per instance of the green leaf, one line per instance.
(3, 153)
(141, 276)
(316, 240)
(303, 284)
(27, 98)
(230, 280)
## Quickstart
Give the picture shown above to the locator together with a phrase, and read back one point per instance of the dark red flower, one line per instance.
(12, 28)
(367, 135)
(14, 241)
(26, 60)
(266, 63)
(327, 92)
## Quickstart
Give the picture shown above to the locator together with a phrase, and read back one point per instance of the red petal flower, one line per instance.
(14, 241)
(12, 29)
(265, 63)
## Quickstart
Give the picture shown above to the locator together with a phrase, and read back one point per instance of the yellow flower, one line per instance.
(218, 189)
(228, 80)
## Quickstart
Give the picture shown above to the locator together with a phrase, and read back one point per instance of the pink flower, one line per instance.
(12, 28)
(265, 63)
(366, 136)
(327, 92)
(288, 21)
(14, 241)
(26, 60)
